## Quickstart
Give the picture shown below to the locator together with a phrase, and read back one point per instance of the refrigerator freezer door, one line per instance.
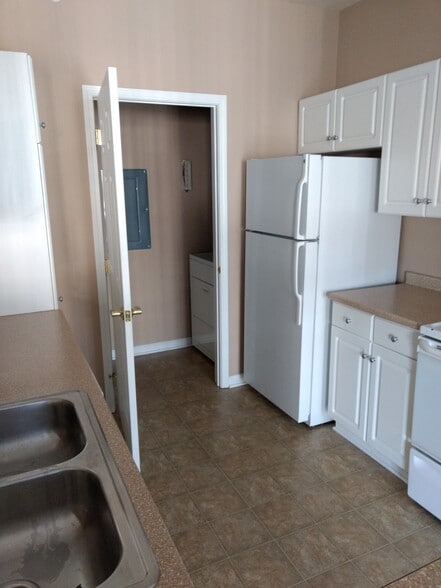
(278, 350)
(283, 196)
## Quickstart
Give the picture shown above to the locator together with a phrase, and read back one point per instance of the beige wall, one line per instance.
(263, 54)
(379, 36)
(158, 138)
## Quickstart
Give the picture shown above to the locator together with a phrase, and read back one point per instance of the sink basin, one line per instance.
(66, 519)
(58, 530)
(38, 434)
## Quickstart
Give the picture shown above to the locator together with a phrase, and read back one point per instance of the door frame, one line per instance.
(218, 108)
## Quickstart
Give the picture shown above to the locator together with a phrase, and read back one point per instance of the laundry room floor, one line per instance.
(251, 498)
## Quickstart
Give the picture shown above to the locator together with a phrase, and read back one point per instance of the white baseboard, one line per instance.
(159, 346)
(162, 346)
(237, 380)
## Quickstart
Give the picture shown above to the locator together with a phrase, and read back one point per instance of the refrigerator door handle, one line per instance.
(299, 203)
(298, 294)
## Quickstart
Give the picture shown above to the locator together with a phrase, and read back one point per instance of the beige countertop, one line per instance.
(412, 306)
(39, 356)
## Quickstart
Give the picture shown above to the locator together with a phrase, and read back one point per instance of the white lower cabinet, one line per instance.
(390, 402)
(371, 381)
(202, 294)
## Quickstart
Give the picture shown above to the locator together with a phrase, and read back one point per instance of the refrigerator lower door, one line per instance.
(279, 319)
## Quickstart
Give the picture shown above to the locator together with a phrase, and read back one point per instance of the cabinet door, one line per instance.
(359, 115)
(316, 123)
(26, 265)
(434, 192)
(348, 376)
(390, 399)
(408, 128)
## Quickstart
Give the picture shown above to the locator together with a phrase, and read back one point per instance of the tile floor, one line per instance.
(252, 498)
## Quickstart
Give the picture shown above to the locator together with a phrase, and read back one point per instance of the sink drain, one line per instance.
(19, 584)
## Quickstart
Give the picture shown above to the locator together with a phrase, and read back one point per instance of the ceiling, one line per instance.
(333, 4)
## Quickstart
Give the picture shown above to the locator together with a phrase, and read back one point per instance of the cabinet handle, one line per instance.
(347, 320)
(335, 138)
(329, 138)
(428, 201)
(364, 355)
(418, 200)
(372, 359)
(393, 338)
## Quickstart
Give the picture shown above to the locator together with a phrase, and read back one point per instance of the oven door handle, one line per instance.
(430, 347)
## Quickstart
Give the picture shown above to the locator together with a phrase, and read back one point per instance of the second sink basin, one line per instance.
(38, 434)
(58, 531)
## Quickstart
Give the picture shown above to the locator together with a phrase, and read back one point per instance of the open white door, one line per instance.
(118, 262)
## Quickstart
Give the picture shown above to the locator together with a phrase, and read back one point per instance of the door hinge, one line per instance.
(107, 267)
(98, 138)
(113, 376)
(218, 269)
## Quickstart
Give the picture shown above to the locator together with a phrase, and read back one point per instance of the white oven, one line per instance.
(424, 484)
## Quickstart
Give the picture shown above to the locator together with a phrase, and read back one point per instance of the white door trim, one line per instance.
(218, 105)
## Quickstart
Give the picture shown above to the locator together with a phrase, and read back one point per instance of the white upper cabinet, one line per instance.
(407, 143)
(344, 119)
(316, 123)
(26, 266)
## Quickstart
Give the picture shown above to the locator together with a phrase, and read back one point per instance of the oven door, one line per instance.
(426, 427)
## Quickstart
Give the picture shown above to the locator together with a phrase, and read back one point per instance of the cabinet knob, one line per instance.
(335, 138)
(428, 201)
(347, 320)
(418, 200)
(372, 359)
(393, 338)
(329, 138)
(364, 355)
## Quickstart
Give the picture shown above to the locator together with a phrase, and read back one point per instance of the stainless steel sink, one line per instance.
(38, 434)
(66, 520)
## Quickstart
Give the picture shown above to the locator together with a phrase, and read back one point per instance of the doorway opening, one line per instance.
(218, 119)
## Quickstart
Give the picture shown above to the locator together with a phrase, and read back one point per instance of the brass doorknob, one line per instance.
(126, 315)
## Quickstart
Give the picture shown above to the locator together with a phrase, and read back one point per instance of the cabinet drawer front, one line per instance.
(351, 319)
(396, 337)
(203, 337)
(201, 270)
(202, 300)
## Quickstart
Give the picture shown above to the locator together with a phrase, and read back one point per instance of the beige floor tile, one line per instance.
(283, 516)
(147, 440)
(218, 501)
(174, 434)
(311, 551)
(186, 453)
(241, 463)
(163, 485)
(384, 565)
(221, 444)
(294, 476)
(352, 534)
(201, 474)
(361, 487)
(266, 566)
(258, 487)
(240, 531)
(220, 575)
(423, 546)
(180, 512)
(196, 439)
(345, 576)
(322, 502)
(154, 462)
(396, 516)
(198, 547)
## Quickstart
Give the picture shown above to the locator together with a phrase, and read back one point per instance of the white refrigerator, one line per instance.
(311, 227)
